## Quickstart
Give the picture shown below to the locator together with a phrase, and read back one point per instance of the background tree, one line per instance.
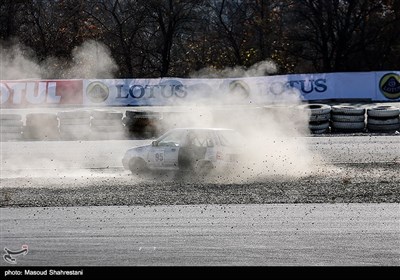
(119, 24)
(158, 38)
(8, 21)
(170, 25)
(345, 35)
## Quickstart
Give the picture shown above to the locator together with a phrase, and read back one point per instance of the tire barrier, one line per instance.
(74, 125)
(41, 126)
(347, 119)
(106, 125)
(82, 124)
(383, 119)
(11, 127)
(141, 124)
(319, 116)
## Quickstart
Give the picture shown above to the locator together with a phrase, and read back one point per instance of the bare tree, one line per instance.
(169, 21)
(158, 38)
(118, 23)
(9, 22)
(329, 33)
(51, 28)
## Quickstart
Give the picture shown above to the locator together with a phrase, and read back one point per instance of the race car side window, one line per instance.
(200, 139)
(172, 139)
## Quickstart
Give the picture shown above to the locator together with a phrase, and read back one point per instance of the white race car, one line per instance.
(199, 150)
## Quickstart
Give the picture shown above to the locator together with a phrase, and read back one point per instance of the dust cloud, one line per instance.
(92, 59)
(274, 130)
(34, 157)
(18, 62)
(274, 133)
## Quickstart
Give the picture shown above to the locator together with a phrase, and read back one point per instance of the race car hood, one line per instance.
(140, 151)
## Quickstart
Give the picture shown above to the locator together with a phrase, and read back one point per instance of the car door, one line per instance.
(164, 155)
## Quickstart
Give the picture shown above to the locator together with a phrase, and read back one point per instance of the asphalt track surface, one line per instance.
(223, 232)
(205, 235)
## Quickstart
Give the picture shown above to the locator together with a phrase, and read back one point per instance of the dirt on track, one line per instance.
(345, 183)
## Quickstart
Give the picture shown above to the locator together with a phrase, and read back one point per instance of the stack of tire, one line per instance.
(74, 125)
(11, 127)
(347, 119)
(41, 126)
(384, 118)
(142, 124)
(106, 125)
(319, 116)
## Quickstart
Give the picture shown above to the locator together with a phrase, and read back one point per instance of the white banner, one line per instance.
(178, 91)
(369, 86)
(373, 86)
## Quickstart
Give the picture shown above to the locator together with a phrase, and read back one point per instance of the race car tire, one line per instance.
(316, 109)
(383, 111)
(383, 128)
(320, 131)
(320, 118)
(347, 110)
(318, 126)
(347, 118)
(383, 121)
(138, 166)
(348, 126)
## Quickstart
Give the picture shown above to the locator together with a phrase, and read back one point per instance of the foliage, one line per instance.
(157, 38)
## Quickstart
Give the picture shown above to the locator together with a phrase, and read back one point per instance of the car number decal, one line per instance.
(159, 157)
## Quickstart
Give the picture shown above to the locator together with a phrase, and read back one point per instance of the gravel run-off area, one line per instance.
(342, 183)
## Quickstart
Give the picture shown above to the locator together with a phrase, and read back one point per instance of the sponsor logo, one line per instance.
(97, 92)
(166, 89)
(239, 89)
(29, 92)
(171, 91)
(10, 255)
(389, 85)
(309, 86)
(38, 93)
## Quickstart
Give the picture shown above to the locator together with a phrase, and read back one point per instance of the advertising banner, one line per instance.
(20, 93)
(372, 86)
(387, 86)
(256, 90)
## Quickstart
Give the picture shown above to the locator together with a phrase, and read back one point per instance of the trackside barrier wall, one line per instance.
(265, 91)
(374, 86)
